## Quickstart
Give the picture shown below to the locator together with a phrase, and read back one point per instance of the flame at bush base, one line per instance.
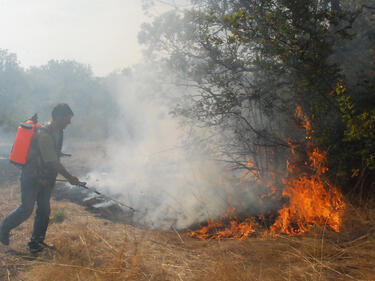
(311, 201)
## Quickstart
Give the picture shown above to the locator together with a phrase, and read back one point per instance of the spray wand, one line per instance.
(103, 195)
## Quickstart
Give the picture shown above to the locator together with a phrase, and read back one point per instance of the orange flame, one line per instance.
(218, 230)
(311, 201)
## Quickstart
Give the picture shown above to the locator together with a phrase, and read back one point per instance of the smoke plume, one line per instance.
(157, 166)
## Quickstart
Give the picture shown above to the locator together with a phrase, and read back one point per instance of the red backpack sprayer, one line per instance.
(25, 132)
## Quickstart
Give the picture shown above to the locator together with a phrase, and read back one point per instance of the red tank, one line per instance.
(21, 145)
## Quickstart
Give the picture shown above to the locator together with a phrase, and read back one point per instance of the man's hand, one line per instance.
(62, 171)
(75, 181)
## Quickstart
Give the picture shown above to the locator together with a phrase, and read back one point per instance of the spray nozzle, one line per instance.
(34, 118)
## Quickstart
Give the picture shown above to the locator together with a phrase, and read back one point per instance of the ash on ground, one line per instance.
(94, 203)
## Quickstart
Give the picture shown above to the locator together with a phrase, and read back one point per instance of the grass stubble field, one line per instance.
(93, 248)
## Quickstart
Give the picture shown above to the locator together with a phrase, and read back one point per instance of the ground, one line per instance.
(93, 248)
(90, 247)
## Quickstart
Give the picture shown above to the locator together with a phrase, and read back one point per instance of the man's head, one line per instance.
(61, 115)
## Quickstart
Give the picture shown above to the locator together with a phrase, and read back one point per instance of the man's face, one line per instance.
(64, 121)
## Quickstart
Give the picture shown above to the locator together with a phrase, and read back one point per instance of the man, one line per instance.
(38, 178)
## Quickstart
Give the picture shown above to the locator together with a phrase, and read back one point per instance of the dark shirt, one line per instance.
(45, 148)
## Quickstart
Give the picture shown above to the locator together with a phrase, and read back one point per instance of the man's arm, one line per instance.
(48, 153)
(62, 171)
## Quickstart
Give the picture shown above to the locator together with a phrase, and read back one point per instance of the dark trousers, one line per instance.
(31, 191)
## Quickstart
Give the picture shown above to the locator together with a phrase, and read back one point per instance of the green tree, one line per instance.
(253, 61)
(38, 89)
(13, 85)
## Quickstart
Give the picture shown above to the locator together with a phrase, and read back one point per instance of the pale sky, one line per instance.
(102, 33)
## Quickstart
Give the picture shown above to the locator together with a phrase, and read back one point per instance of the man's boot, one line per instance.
(36, 247)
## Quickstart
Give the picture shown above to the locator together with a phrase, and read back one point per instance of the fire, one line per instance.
(218, 229)
(312, 201)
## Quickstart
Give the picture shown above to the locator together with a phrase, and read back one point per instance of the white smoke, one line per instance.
(6, 141)
(151, 165)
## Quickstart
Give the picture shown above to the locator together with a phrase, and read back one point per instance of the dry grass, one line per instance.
(91, 248)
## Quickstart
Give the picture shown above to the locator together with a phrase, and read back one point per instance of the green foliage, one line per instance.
(254, 61)
(360, 127)
(58, 216)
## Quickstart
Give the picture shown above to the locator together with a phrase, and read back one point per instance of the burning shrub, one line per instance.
(312, 201)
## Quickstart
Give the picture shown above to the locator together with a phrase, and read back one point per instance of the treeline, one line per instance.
(24, 92)
(253, 62)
